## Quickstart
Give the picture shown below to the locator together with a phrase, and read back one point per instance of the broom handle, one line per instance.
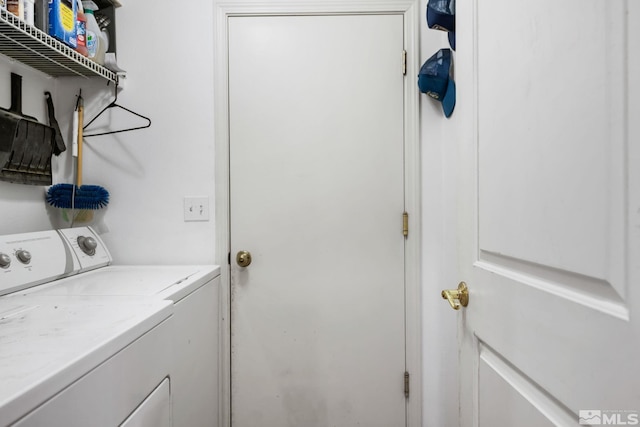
(79, 160)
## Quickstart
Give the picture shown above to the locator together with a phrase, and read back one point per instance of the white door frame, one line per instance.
(411, 12)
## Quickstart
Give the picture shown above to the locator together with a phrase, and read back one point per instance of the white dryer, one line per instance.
(77, 361)
(192, 293)
(69, 363)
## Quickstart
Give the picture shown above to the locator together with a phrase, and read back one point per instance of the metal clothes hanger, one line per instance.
(113, 104)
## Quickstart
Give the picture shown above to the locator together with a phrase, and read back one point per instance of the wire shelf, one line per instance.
(32, 47)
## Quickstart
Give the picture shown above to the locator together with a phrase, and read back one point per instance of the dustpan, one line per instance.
(26, 145)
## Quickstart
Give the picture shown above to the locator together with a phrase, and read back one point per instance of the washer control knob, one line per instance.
(88, 245)
(5, 261)
(23, 256)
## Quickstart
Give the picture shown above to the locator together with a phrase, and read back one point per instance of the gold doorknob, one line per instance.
(457, 297)
(243, 258)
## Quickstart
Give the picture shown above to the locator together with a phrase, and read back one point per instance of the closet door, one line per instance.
(317, 196)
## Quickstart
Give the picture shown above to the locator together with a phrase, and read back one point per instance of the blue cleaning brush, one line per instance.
(69, 196)
(78, 196)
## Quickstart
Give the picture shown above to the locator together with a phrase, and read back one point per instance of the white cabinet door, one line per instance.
(317, 196)
(548, 107)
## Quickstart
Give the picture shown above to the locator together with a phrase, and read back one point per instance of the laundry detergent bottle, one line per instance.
(81, 30)
(95, 45)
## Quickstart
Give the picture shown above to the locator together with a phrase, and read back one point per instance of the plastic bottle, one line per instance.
(81, 30)
(95, 43)
(16, 7)
(28, 7)
(42, 15)
(104, 22)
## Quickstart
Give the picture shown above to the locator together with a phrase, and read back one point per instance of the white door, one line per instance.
(317, 196)
(549, 212)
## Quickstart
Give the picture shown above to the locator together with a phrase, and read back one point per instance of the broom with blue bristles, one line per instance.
(78, 196)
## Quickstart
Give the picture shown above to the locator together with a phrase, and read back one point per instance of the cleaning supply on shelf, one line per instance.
(78, 196)
(42, 15)
(95, 41)
(62, 21)
(104, 22)
(23, 9)
(81, 30)
(16, 7)
(29, 11)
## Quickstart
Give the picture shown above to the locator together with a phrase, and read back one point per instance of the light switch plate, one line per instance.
(196, 209)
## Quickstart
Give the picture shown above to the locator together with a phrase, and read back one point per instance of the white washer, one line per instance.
(73, 362)
(193, 290)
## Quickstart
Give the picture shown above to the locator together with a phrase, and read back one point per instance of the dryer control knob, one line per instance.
(5, 261)
(88, 245)
(23, 256)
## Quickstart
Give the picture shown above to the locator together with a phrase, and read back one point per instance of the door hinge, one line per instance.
(229, 258)
(406, 385)
(405, 224)
(404, 62)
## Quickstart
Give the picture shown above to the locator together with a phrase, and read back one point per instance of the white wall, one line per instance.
(168, 56)
(169, 65)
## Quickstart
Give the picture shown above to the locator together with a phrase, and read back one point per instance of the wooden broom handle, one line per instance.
(79, 160)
